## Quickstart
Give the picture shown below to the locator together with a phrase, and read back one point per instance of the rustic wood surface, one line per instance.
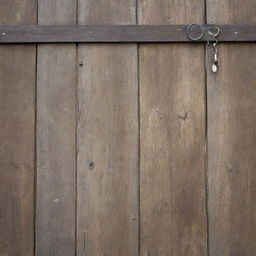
(231, 133)
(107, 214)
(56, 136)
(117, 33)
(172, 100)
(17, 126)
(126, 149)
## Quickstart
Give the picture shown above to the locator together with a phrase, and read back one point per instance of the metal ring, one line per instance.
(212, 26)
(195, 25)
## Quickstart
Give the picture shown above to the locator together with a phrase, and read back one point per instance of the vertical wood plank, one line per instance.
(107, 215)
(232, 132)
(172, 99)
(56, 136)
(17, 120)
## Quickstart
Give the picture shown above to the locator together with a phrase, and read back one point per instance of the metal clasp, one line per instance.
(215, 59)
(206, 33)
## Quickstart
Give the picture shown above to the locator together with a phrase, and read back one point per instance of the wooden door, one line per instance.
(127, 149)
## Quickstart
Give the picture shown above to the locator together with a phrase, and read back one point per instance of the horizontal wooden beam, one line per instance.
(117, 34)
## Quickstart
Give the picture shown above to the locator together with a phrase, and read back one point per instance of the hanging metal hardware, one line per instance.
(215, 59)
(207, 33)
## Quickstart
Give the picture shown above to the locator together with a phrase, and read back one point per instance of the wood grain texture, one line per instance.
(232, 132)
(172, 137)
(118, 33)
(107, 214)
(56, 136)
(17, 120)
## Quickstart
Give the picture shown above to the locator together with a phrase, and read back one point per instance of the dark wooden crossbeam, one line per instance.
(117, 34)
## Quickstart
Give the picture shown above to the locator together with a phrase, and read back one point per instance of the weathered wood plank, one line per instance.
(107, 220)
(56, 136)
(17, 120)
(232, 132)
(117, 33)
(172, 177)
